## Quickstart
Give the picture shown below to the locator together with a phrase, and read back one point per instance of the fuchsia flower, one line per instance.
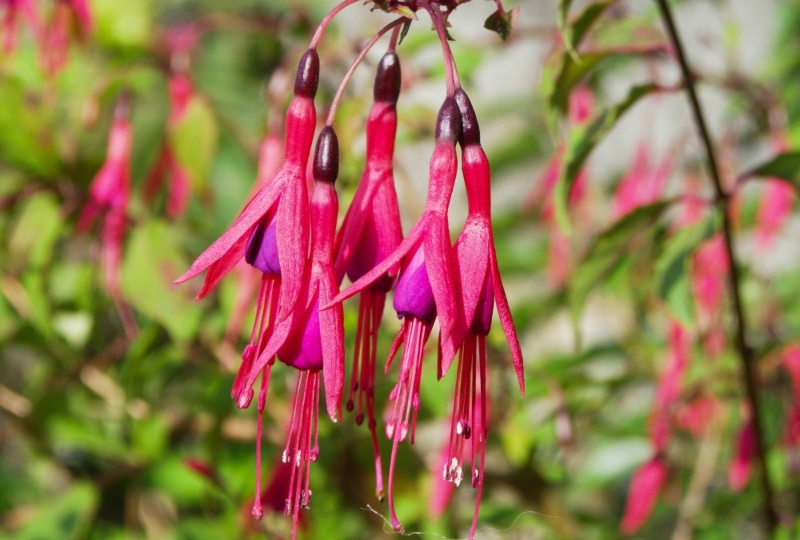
(278, 212)
(309, 339)
(709, 270)
(181, 92)
(56, 39)
(13, 10)
(669, 385)
(642, 185)
(372, 231)
(646, 484)
(481, 289)
(776, 204)
(741, 464)
(109, 196)
(427, 288)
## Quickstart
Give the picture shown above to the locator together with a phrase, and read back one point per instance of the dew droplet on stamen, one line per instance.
(459, 476)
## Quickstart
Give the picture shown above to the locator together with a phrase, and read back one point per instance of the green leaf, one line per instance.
(784, 167)
(26, 138)
(124, 24)
(66, 515)
(570, 74)
(151, 264)
(609, 251)
(573, 33)
(580, 145)
(672, 269)
(36, 231)
(501, 22)
(194, 140)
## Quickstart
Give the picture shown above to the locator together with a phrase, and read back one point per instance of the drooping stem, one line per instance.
(451, 72)
(722, 200)
(339, 91)
(328, 18)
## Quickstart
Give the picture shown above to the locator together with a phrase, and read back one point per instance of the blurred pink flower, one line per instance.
(13, 10)
(741, 464)
(643, 184)
(646, 484)
(776, 203)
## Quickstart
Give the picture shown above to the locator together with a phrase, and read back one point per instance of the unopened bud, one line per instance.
(387, 80)
(326, 157)
(448, 124)
(470, 131)
(307, 79)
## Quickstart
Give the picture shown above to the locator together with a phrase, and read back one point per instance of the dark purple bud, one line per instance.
(387, 80)
(413, 294)
(470, 131)
(448, 124)
(482, 320)
(326, 156)
(307, 79)
(262, 248)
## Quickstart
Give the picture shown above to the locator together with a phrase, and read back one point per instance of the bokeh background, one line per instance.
(113, 432)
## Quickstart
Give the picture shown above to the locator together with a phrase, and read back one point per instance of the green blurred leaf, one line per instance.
(501, 22)
(784, 167)
(66, 515)
(581, 143)
(194, 140)
(36, 231)
(25, 133)
(672, 269)
(150, 266)
(124, 25)
(609, 250)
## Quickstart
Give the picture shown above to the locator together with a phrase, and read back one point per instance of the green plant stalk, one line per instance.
(722, 200)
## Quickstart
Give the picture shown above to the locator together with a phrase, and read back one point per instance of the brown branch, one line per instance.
(722, 201)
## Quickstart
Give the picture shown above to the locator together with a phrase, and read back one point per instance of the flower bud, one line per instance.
(448, 124)
(470, 130)
(388, 79)
(307, 79)
(326, 156)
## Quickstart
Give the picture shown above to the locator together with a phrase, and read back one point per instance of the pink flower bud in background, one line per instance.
(744, 452)
(646, 484)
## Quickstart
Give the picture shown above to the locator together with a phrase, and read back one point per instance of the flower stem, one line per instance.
(453, 82)
(722, 200)
(338, 97)
(328, 18)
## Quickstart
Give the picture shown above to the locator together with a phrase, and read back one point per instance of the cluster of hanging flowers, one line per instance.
(287, 232)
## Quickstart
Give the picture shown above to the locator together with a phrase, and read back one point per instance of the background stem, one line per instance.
(722, 201)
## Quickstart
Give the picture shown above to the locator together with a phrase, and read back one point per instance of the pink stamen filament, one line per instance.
(258, 510)
(339, 91)
(405, 396)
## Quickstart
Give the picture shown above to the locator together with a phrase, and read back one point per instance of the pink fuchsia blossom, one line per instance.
(744, 452)
(643, 184)
(284, 199)
(776, 204)
(309, 339)
(181, 92)
(55, 44)
(697, 414)
(109, 196)
(371, 231)
(669, 385)
(12, 11)
(791, 361)
(646, 484)
(427, 288)
(709, 271)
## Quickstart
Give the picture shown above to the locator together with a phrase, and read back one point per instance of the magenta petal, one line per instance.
(332, 330)
(255, 210)
(293, 235)
(353, 226)
(504, 313)
(222, 266)
(441, 272)
(408, 243)
(472, 258)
